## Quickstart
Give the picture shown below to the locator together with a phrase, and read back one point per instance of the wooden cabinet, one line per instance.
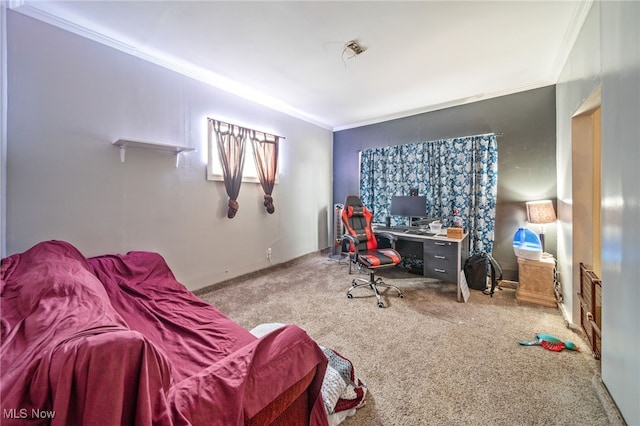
(537, 281)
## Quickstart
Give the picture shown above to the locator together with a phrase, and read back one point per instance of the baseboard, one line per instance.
(508, 284)
(565, 314)
(259, 272)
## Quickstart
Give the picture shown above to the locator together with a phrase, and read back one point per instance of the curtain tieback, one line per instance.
(233, 208)
(268, 203)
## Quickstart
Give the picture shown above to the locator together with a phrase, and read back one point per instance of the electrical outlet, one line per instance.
(269, 253)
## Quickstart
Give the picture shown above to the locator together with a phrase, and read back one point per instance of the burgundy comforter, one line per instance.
(117, 340)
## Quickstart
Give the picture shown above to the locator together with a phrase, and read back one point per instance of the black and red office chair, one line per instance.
(364, 249)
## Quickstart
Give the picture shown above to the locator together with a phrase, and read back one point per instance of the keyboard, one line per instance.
(404, 230)
(418, 232)
(389, 229)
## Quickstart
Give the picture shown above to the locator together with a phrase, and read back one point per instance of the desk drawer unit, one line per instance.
(441, 260)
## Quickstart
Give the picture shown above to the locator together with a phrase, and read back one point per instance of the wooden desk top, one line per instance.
(418, 234)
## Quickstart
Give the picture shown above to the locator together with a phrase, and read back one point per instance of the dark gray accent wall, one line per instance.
(526, 125)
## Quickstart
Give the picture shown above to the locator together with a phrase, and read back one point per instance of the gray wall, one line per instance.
(3, 128)
(69, 98)
(607, 55)
(526, 155)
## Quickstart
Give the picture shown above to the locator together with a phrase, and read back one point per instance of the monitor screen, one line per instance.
(415, 206)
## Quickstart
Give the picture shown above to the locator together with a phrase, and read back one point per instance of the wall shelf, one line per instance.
(123, 144)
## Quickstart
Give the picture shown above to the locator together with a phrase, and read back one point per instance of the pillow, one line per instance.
(341, 389)
(355, 211)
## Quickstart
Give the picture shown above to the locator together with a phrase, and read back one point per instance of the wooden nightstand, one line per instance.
(537, 281)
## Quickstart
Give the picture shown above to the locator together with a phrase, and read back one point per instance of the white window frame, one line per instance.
(249, 172)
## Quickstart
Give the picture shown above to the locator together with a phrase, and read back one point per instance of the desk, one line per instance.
(443, 257)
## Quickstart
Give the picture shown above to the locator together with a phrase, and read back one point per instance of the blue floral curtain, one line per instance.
(458, 173)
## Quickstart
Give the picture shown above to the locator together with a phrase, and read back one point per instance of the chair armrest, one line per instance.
(392, 238)
(237, 387)
(353, 240)
(103, 376)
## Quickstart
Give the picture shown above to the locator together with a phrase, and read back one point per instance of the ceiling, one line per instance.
(419, 55)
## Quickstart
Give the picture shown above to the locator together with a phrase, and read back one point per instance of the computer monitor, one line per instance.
(411, 206)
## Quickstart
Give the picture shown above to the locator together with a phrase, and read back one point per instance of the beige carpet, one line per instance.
(427, 359)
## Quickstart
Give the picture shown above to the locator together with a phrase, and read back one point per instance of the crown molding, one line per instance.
(12, 4)
(46, 13)
(445, 105)
(43, 11)
(578, 18)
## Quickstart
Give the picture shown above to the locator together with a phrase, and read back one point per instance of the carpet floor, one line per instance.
(426, 358)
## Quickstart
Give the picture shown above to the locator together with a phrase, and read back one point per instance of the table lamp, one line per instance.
(541, 212)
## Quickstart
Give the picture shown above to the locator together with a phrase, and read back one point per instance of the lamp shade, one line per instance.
(540, 212)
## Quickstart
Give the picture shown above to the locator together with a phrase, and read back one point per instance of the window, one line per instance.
(214, 167)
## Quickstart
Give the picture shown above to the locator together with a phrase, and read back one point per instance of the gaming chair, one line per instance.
(364, 248)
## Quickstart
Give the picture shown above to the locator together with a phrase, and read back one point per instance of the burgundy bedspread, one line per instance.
(115, 339)
(66, 355)
(191, 332)
(220, 370)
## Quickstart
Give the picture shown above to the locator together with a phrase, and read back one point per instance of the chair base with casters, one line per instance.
(373, 283)
(364, 249)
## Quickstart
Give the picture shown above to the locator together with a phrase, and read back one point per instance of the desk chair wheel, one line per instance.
(380, 305)
(349, 296)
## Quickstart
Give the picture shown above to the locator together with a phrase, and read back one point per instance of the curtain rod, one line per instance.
(244, 127)
(498, 135)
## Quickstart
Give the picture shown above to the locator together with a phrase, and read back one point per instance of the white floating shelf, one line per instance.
(172, 149)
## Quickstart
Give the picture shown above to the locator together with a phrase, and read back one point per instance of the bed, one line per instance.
(115, 339)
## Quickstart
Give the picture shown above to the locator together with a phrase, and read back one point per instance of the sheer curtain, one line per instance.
(458, 173)
(230, 140)
(265, 153)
